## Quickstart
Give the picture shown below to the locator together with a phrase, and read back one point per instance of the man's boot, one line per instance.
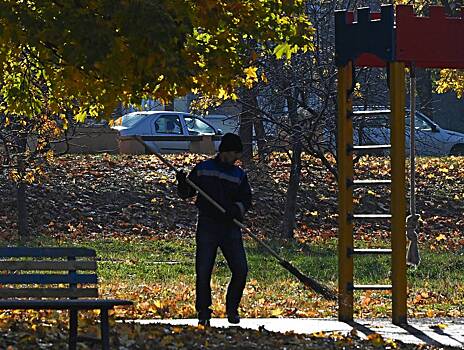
(204, 318)
(233, 317)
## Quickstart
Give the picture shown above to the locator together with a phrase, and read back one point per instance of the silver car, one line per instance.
(166, 131)
(431, 139)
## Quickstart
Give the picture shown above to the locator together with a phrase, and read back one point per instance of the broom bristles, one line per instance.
(310, 282)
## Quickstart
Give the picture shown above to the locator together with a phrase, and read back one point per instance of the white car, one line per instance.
(431, 139)
(166, 131)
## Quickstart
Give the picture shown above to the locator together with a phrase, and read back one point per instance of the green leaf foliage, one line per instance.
(103, 52)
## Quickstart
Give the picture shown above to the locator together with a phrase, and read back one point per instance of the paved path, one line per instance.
(416, 332)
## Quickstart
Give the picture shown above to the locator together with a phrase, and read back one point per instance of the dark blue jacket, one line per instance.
(226, 184)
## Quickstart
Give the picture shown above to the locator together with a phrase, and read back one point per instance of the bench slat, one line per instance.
(36, 278)
(48, 292)
(48, 265)
(76, 304)
(50, 252)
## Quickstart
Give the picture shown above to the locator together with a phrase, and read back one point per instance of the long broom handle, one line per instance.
(212, 201)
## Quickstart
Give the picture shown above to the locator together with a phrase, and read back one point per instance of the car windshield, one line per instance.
(196, 126)
(130, 120)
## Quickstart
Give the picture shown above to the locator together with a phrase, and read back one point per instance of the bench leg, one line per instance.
(105, 329)
(72, 329)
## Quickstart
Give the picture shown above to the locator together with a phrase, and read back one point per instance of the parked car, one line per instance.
(170, 129)
(431, 139)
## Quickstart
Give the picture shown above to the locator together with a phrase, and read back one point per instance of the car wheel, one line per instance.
(457, 150)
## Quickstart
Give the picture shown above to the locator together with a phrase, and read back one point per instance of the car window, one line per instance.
(420, 123)
(168, 124)
(196, 126)
(130, 120)
(379, 121)
(374, 121)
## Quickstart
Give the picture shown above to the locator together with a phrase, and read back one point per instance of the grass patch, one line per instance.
(160, 275)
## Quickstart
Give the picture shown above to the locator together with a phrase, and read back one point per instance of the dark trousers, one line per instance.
(211, 236)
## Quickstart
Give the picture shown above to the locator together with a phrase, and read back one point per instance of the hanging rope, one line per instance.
(412, 220)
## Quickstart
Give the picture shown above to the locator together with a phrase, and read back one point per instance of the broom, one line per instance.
(308, 281)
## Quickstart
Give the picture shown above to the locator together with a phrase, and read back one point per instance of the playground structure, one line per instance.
(393, 41)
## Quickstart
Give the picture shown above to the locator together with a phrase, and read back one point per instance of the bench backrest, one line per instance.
(48, 272)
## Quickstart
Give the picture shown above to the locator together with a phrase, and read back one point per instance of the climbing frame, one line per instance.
(367, 39)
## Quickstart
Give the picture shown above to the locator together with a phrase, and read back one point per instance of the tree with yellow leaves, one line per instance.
(82, 58)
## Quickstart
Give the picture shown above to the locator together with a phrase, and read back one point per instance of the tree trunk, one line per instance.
(246, 125)
(23, 226)
(23, 222)
(424, 91)
(288, 223)
(260, 137)
(258, 125)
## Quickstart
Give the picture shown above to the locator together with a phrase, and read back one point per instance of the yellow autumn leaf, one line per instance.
(222, 94)
(251, 76)
(357, 90)
(320, 334)
(391, 343)
(439, 326)
(250, 73)
(441, 237)
(177, 329)
(277, 312)
(264, 78)
(281, 50)
(80, 117)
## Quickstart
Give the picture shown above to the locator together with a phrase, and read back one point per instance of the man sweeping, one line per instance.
(227, 184)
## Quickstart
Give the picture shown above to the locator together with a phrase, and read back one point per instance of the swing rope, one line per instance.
(413, 257)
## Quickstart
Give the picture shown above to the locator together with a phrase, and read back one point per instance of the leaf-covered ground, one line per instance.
(128, 201)
(134, 196)
(48, 333)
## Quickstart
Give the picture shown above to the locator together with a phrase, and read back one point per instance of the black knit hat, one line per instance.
(231, 142)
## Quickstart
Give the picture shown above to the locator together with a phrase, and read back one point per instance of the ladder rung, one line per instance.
(369, 251)
(369, 216)
(371, 182)
(370, 147)
(372, 287)
(379, 111)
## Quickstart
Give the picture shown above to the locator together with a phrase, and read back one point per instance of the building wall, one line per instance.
(91, 140)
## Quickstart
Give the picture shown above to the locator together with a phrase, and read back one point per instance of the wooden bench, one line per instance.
(52, 278)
